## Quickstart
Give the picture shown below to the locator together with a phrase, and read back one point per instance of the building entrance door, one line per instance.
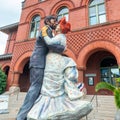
(101, 66)
(109, 70)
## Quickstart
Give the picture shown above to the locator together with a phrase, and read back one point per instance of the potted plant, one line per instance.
(116, 92)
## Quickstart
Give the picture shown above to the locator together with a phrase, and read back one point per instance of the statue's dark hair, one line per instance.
(48, 18)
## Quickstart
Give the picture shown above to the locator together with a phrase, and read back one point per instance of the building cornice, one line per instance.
(5, 56)
(8, 28)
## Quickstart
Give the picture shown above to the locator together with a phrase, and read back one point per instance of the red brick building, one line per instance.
(94, 41)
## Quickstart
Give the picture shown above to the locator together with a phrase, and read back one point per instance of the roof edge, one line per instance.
(6, 56)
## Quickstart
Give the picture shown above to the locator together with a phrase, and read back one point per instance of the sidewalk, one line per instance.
(13, 106)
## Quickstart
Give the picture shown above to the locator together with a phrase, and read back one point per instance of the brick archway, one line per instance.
(6, 68)
(21, 62)
(84, 2)
(4, 65)
(39, 11)
(67, 3)
(89, 49)
(19, 67)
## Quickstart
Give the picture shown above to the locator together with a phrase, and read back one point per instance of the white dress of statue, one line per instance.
(60, 99)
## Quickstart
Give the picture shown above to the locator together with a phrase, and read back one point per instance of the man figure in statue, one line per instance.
(37, 65)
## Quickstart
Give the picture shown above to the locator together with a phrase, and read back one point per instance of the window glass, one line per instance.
(97, 13)
(102, 18)
(37, 27)
(108, 74)
(93, 20)
(115, 72)
(109, 70)
(101, 9)
(64, 11)
(34, 29)
(92, 11)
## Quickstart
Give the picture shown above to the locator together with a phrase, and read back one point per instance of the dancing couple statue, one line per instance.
(53, 93)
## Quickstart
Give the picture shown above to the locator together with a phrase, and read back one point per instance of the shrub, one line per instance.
(3, 83)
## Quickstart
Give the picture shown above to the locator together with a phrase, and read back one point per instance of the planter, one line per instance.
(117, 115)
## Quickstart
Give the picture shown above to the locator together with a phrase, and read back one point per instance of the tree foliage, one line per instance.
(3, 83)
(114, 89)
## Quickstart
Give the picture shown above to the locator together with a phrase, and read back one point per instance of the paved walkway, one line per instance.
(104, 107)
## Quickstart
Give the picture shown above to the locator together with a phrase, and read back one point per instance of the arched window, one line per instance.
(63, 11)
(34, 26)
(97, 12)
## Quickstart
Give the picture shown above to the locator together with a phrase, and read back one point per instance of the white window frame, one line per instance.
(97, 14)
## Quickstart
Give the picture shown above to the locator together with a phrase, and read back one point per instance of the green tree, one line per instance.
(3, 83)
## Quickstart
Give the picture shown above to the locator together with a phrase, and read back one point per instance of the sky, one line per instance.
(10, 11)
